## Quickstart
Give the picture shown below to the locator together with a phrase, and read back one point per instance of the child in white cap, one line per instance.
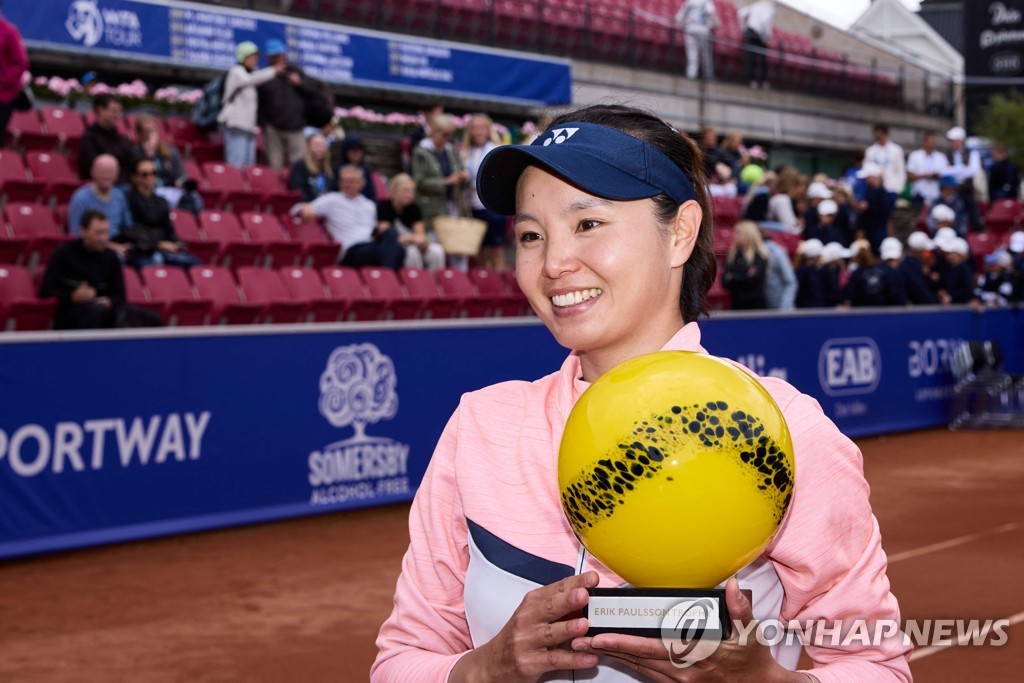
(916, 268)
(809, 293)
(958, 276)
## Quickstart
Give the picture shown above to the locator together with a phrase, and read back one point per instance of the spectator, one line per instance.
(915, 267)
(889, 157)
(809, 293)
(313, 176)
(102, 137)
(873, 208)
(437, 171)
(782, 205)
(13, 65)
(833, 273)
(745, 267)
(1016, 246)
(846, 216)
(870, 283)
(241, 101)
(732, 152)
(891, 256)
(825, 230)
(712, 154)
(165, 158)
(965, 167)
(152, 237)
(353, 152)
(755, 207)
(779, 280)
(352, 221)
(925, 167)
(698, 20)
(1003, 177)
(817, 192)
(481, 138)
(402, 213)
(282, 106)
(958, 278)
(427, 113)
(85, 276)
(995, 287)
(949, 209)
(102, 195)
(756, 21)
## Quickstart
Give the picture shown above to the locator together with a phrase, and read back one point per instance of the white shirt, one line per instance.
(921, 162)
(350, 220)
(697, 16)
(474, 156)
(965, 171)
(759, 17)
(891, 158)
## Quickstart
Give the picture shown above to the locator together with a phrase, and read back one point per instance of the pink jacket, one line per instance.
(13, 61)
(487, 526)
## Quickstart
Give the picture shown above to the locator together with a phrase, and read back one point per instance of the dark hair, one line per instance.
(139, 159)
(85, 222)
(701, 268)
(882, 127)
(102, 101)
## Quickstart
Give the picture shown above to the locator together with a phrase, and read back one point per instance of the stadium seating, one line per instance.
(170, 289)
(318, 251)
(228, 307)
(1003, 216)
(55, 170)
(265, 230)
(187, 230)
(456, 284)
(385, 288)
(33, 227)
(264, 288)
(305, 285)
(135, 292)
(225, 187)
(15, 184)
(20, 309)
(65, 124)
(495, 293)
(524, 307)
(345, 284)
(420, 284)
(264, 181)
(233, 248)
(727, 211)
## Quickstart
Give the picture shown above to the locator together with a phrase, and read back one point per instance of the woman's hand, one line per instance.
(528, 646)
(731, 661)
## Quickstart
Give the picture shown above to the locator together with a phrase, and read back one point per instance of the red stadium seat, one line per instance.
(135, 292)
(20, 309)
(727, 211)
(456, 284)
(495, 292)
(719, 298)
(787, 240)
(721, 240)
(170, 288)
(384, 286)
(192, 171)
(1003, 216)
(982, 244)
(420, 285)
(228, 307)
(187, 229)
(318, 250)
(15, 185)
(66, 124)
(34, 224)
(275, 195)
(345, 284)
(225, 187)
(265, 230)
(26, 131)
(264, 287)
(304, 285)
(517, 293)
(55, 171)
(233, 249)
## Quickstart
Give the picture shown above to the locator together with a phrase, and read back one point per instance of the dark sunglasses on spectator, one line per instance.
(146, 174)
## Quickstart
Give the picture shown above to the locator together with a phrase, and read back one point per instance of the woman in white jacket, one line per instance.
(238, 111)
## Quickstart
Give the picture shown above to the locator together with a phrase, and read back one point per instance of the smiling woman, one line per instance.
(613, 230)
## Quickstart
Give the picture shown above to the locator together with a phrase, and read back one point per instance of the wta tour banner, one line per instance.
(112, 437)
(192, 35)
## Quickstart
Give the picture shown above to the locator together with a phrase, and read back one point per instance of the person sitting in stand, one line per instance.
(351, 220)
(833, 273)
(102, 195)
(746, 267)
(949, 209)
(102, 137)
(313, 175)
(809, 293)
(870, 283)
(825, 228)
(85, 276)
(916, 270)
(402, 213)
(957, 286)
(164, 156)
(152, 237)
(353, 153)
(873, 207)
(1003, 177)
(995, 287)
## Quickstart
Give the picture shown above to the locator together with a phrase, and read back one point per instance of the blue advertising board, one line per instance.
(111, 437)
(205, 36)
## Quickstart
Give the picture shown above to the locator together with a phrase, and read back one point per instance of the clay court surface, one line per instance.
(302, 600)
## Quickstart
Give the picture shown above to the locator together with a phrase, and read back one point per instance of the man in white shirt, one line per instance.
(964, 166)
(757, 21)
(890, 157)
(351, 220)
(699, 19)
(925, 167)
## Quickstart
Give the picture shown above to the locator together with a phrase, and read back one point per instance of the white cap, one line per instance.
(819, 191)
(943, 214)
(959, 246)
(945, 235)
(891, 249)
(811, 248)
(827, 208)
(1017, 242)
(956, 133)
(833, 251)
(869, 170)
(919, 241)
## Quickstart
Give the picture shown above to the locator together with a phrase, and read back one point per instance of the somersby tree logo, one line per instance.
(357, 388)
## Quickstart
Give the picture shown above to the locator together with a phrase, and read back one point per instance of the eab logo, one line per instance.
(847, 367)
(84, 22)
(560, 135)
(357, 388)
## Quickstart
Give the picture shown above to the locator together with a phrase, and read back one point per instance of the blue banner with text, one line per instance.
(205, 36)
(122, 437)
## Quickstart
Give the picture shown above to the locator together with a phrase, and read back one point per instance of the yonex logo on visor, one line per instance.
(600, 160)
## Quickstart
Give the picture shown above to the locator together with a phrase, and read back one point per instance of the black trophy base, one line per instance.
(649, 612)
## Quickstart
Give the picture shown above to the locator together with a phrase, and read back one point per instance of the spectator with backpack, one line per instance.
(240, 103)
(282, 108)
